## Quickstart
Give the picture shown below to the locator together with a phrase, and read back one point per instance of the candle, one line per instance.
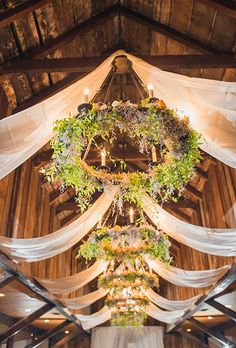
(131, 215)
(86, 94)
(103, 157)
(154, 154)
(150, 90)
(99, 225)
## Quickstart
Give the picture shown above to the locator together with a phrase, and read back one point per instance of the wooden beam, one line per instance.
(167, 31)
(87, 64)
(21, 324)
(217, 289)
(212, 333)
(49, 334)
(193, 338)
(225, 7)
(10, 267)
(220, 307)
(20, 11)
(66, 339)
(6, 281)
(80, 64)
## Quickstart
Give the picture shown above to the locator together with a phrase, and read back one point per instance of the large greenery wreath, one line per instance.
(148, 123)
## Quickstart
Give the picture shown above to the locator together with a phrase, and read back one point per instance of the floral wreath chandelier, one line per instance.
(159, 133)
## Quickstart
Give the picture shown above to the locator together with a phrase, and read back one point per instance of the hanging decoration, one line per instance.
(152, 127)
(128, 276)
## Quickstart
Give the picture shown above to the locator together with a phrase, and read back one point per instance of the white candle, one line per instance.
(86, 94)
(150, 90)
(131, 215)
(154, 154)
(99, 225)
(103, 157)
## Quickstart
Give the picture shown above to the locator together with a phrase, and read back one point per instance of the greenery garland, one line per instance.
(147, 124)
(134, 278)
(128, 242)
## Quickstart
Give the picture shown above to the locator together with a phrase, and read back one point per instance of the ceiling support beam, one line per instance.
(225, 7)
(216, 290)
(49, 334)
(6, 281)
(167, 31)
(21, 324)
(9, 266)
(226, 311)
(193, 338)
(212, 333)
(20, 11)
(65, 339)
(87, 64)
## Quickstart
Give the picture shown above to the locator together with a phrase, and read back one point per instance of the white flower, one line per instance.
(116, 103)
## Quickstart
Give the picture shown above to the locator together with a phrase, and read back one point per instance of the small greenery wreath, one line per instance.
(126, 243)
(148, 124)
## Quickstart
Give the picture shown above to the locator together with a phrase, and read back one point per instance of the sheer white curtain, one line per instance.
(114, 337)
(171, 305)
(181, 277)
(167, 317)
(85, 300)
(76, 281)
(40, 248)
(210, 105)
(95, 319)
(215, 241)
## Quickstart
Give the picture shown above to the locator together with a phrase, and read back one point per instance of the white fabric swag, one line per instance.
(210, 105)
(85, 300)
(171, 305)
(215, 241)
(41, 248)
(92, 320)
(116, 337)
(181, 277)
(74, 282)
(167, 317)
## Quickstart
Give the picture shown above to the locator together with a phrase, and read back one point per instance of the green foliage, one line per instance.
(148, 124)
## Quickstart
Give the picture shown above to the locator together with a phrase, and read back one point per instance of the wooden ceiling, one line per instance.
(47, 45)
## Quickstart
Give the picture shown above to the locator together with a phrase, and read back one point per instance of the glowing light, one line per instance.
(67, 332)
(86, 94)
(46, 320)
(209, 317)
(28, 310)
(150, 90)
(2, 295)
(188, 330)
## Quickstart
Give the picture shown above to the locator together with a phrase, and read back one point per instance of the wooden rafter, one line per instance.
(87, 64)
(215, 291)
(220, 307)
(193, 338)
(50, 334)
(21, 324)
(20, 11)
(167, 31)
(226, 7)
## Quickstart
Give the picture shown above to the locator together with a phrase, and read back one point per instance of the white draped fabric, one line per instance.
(181, 277)
(74, 282)
(213, 241)
(210, 105)
(115, 337)
(85, 300)
(167, 317)
(92, 320)
(170, 305)
(40, 248)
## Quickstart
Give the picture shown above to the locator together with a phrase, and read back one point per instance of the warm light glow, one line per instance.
(32, 335)
(86, 94)
(66, 332)
(28, 310)
(150, 86)
(131, 215)
(46, 320)
(228, 306)
(189, 330)
(209, 317)
(103, 157)
(2, 295)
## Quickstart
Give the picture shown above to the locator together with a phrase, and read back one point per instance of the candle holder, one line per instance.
(84, 108)
(104, 168)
